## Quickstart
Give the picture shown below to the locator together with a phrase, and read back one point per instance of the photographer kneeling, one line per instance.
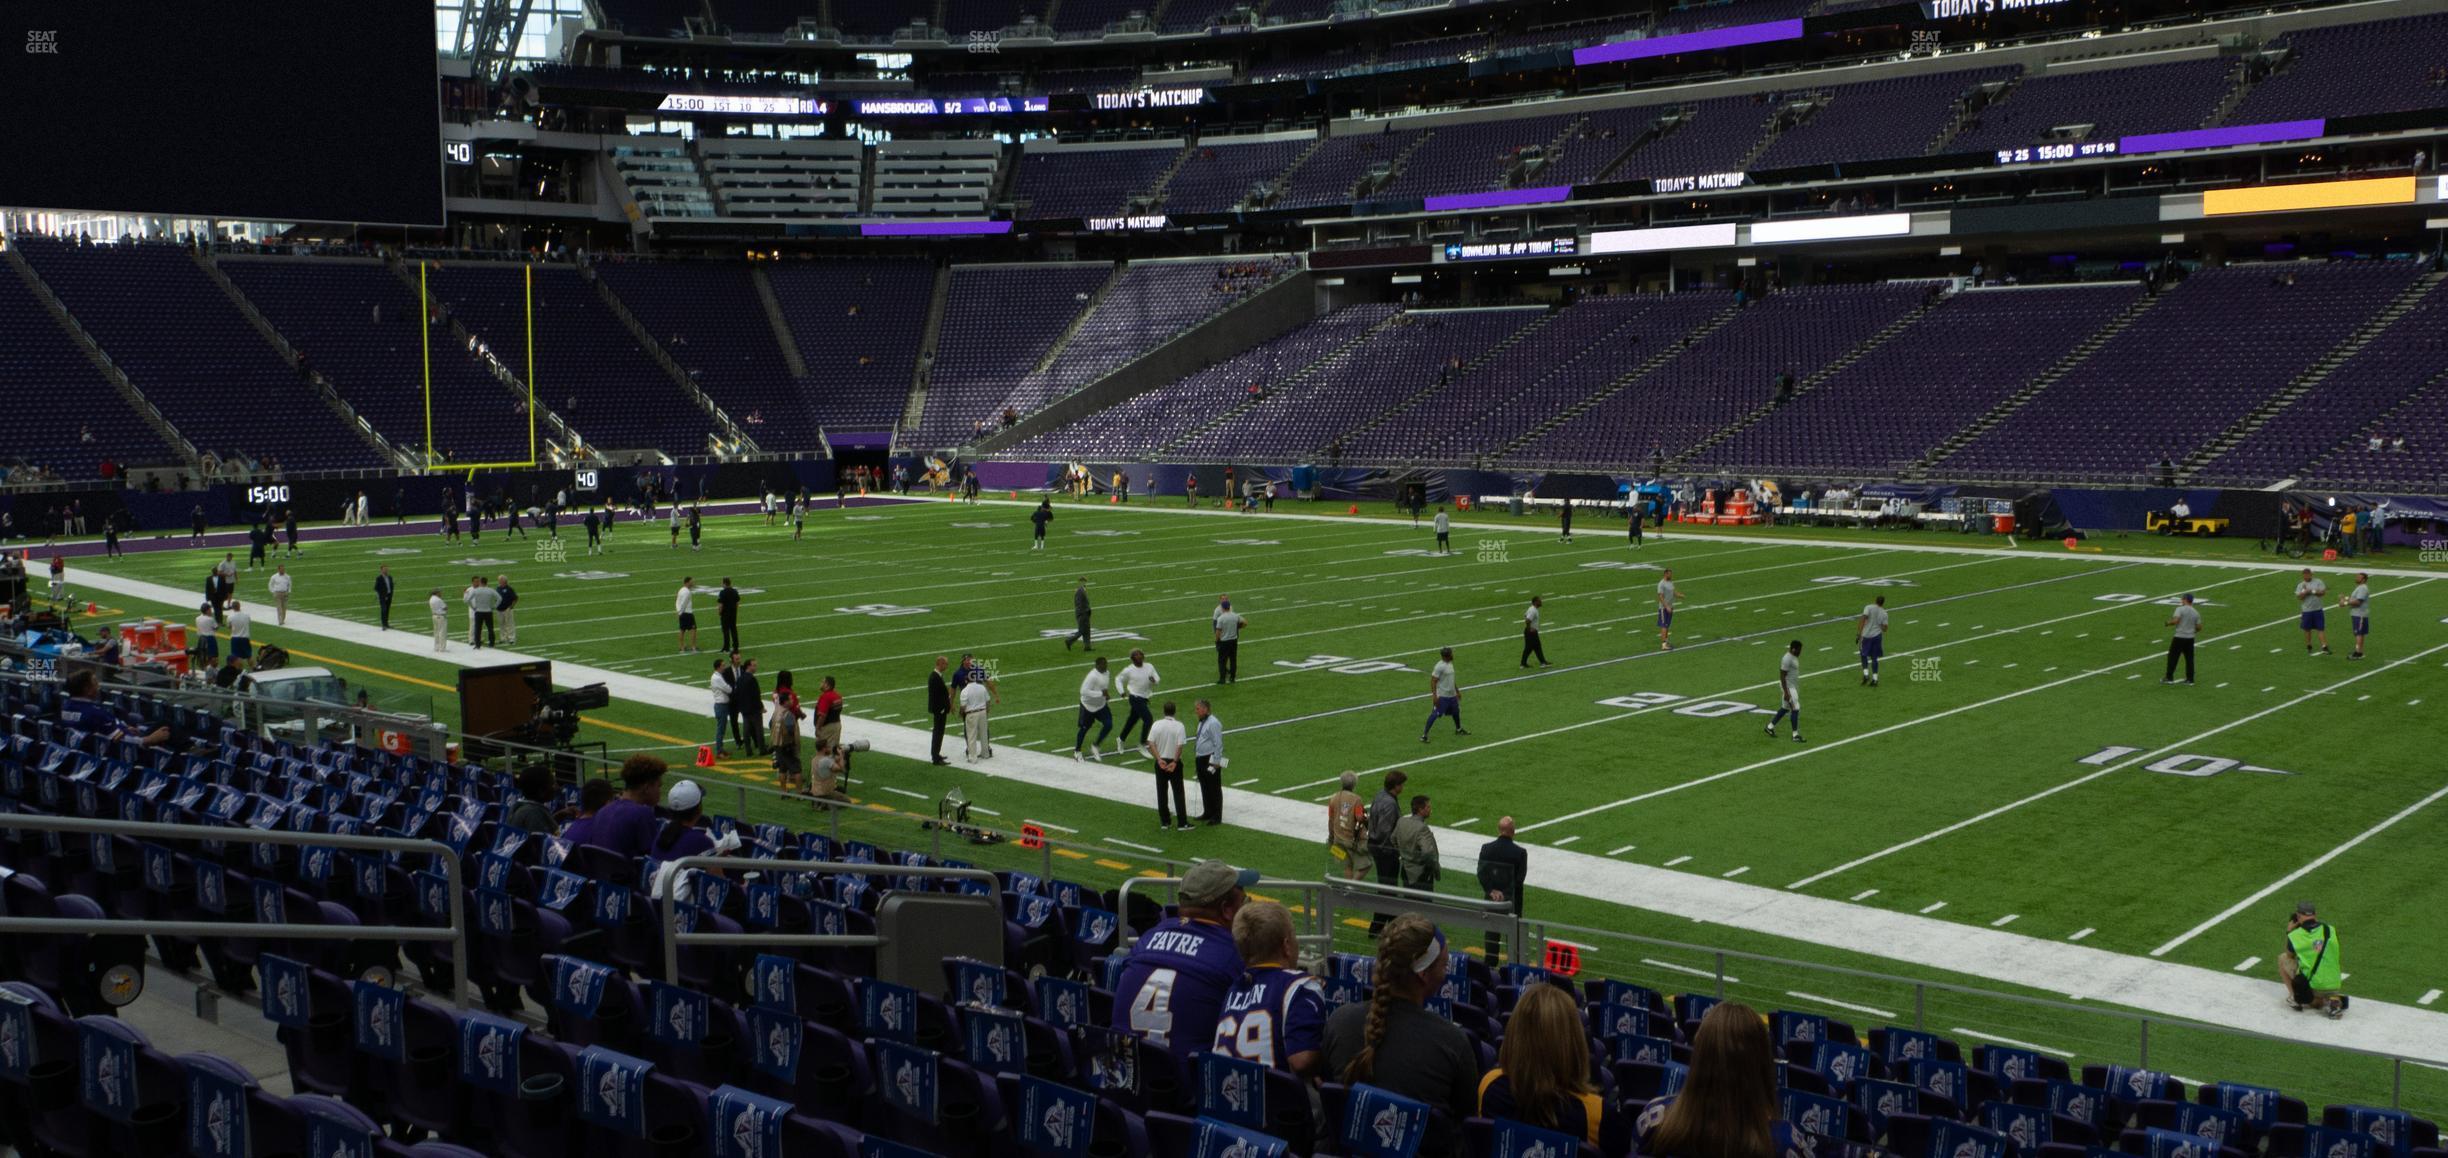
(829, 776)
(2313, 964)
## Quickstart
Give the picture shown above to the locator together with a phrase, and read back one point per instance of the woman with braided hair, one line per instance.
(1729, 1107)
(1393, 1043)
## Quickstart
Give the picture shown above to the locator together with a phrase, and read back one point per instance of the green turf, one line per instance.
(2004, 673)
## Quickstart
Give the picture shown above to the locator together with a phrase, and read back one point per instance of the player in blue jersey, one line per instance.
(1173, 984)
(1277, 1015)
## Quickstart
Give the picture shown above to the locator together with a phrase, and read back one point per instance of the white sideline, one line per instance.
(2211, 996)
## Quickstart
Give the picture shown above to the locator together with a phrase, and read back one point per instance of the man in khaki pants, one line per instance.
(441, 618)
(974, 700)
(1346, 819)
(280, 585)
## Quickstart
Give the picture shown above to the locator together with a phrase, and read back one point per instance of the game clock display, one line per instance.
(2065, 151)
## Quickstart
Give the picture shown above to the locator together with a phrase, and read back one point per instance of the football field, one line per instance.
(2020, 768)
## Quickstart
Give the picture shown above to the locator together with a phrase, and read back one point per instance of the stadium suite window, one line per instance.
(533, 36)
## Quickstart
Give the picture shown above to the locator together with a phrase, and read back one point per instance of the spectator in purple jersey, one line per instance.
(592, 796)
(1277, 1015)
(627, 825)
(1174, 981)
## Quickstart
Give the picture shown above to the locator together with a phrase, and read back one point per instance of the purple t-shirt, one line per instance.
(1273, 1014)
(624, 826)
(1174, 982)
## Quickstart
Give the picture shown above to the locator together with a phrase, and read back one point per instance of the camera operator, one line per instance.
(2313, 964)
(829, 776)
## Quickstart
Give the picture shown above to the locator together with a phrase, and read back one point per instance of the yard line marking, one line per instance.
(905, 792)
(2121, 765)
(2222, 683)
(982, 810)
(1566, 841)
(1669, 965)
(1933, 908)
(1831, 1002)
(1865, 894)
(1736, 872)
(2081, 933)
(1051, 825)
(1252, 780)
(2428, 997)
(1621, 851)
(2363, 697)
(1874, 733)
(1138, 847)
(2246, 964)
(1455, 824)
(1030, 743)
(1676, 861)
(2008, 1041)
(2004, 921)
(2265, 891)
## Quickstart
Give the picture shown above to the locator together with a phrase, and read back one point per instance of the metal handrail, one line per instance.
(456, 934)
(1544, 931)
(670, 913)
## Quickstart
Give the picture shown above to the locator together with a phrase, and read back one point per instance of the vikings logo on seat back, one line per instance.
(612, 1091)
(1816, 1114)
(559, 889)
(217, 1119)
(578, 985)
(1897, 1046)
(1512, 1139)
(1055, 1119)
(773, 982)
(998, 1041)
(1842, 1062)
(2028, 1127)
(1950, 1139)
(1944, 1078)
(610, 908)
(17, 1043)
(764, 905)
(907, 1076)
(2391, 1131)
(329, 1136)
(2085, 1104)
(1614, 1021)
(1113, 1058)
(775, 1038)
(745, 1125)
(2014, 1065)
(2163, 1143)
(286, 999)
(1382, 1124)
(2221, 1126)
(432, 895)
(107, 1062)
(2132, 1084)
(1232, 1090)
(2328, 1142)
(978, 983)
(1063, 1003)
(380, 1019)
(2258, 1104)
(1094, 928)
(1637, 1047)
(1214, 1139)
(887, 1010)
(680, 1015)
(1879, 1098)
(212, 886)
(489, 1052)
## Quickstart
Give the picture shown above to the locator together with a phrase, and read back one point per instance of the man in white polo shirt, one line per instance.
(241, 629)
(441, 620)
(1164, 745)
(280, 585)
(1095, 707)
(1138, 679)
(975, 699)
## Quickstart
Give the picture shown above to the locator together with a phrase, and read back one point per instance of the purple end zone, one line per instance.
(1734, 37)
(2260, 134)
(932, 228)
(1496, 198)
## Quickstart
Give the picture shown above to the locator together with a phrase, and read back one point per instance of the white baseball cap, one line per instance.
(684, 796)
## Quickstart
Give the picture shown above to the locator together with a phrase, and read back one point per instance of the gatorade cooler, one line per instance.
(174, 637)
(2002, 524)
(148, 635)
(1461, 502)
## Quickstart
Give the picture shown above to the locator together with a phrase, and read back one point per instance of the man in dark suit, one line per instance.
(726, 606)
(939, 706)
(1502, 866)
(383, 586)
(747, 707)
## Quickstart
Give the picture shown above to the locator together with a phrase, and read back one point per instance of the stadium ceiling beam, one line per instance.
(489, 33)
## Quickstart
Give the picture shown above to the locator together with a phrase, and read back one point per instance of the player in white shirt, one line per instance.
(2311, 596)
(685, 605)
(1789, 681)
(1444, 533)
(1666, 609)
(1530, 633)
(1095, 707)
(2358, 610)
(675, 525)
(280, 585)
(974, 701)
(1138, 680)
(441, 618)
(242, 633)
(1870, 634)
(1444, 695)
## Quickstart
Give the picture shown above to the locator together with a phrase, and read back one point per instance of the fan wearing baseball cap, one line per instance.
(1174, 982)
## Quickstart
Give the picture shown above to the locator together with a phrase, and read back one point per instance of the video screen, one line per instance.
(297, 111)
